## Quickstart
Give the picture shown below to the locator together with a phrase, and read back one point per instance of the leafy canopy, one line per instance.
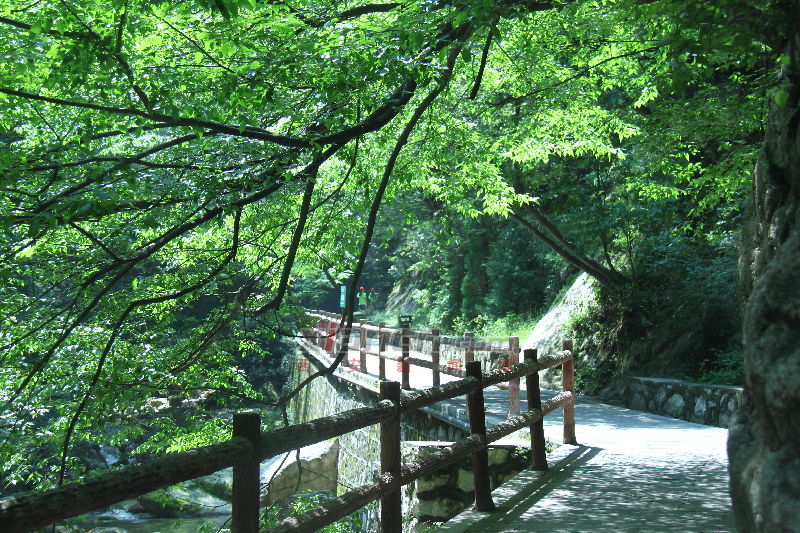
(170, 169)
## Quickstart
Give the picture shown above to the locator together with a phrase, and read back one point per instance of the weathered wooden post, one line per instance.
(477, 424)
(381, 349)
(538, 451)
(405, 362)
(246, 476)
(436, 356)
(513, 384)
(391, 504)
(568, 384)
(469, 348)
(362, 345)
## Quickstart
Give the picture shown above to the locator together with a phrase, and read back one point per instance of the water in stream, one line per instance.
(126, 522)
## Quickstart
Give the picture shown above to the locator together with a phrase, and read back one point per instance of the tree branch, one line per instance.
(479, 77)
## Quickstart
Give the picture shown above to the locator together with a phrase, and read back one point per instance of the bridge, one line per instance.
(631, 472)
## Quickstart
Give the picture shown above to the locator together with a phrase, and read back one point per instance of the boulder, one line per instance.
(181, 502)
(317, 470)
(219, 484)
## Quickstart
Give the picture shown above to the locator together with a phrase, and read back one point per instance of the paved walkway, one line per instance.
(632, 472)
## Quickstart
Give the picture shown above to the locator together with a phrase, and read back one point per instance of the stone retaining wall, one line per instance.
(431, 499)
(702, 403)
(359, 451)
(447, 492)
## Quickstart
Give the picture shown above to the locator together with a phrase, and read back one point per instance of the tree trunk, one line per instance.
(554, 239)
(764, 442)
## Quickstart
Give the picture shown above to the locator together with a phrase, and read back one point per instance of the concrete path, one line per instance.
(633, 472)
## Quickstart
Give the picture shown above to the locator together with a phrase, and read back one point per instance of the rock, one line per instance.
(219, 484)
(318, 471)
(156, 404)
(180, 501)
(108, 530)
(661, 395)
(764, 442)
(638, 402)
(466, 481)
(548, 334)
(90, 455)
(674, 406)
(135, 508)
(432, 482)
(111, 454)
(700, 407)
(438, 509)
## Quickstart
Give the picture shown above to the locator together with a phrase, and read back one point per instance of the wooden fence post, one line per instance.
(362, 346)
(381, 349)
(513, 384)
(391, 504)
(477, 424)
(246, 476)
(568, 384)
(538, 451)
(436, 356)
(405, 362)
(469, 348)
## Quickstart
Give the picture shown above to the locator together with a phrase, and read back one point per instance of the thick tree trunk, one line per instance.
(553, 238)
(764, 443)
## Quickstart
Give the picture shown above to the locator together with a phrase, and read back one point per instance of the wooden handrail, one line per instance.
(353, 500)
(26, 512)
(30, 511)
(290, 438)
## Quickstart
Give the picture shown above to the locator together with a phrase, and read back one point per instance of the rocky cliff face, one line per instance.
(548, 335)
(764, 445)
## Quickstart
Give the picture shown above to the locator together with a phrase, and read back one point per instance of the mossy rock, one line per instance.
(181, 503)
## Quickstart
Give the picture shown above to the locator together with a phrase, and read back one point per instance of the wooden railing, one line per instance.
(249, 446)
(369, 339)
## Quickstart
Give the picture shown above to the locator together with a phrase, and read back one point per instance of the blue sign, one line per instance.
(342, 295)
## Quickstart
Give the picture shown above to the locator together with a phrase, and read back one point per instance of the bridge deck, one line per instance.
(632, 472)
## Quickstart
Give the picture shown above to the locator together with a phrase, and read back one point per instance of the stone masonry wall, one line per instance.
(444, 494)
(702, 403)
(431, 499)
(359, 450)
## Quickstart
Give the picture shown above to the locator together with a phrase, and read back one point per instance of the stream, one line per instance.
(117, 520)
(121, 521)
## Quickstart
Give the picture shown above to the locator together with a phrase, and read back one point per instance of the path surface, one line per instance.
(632, 472)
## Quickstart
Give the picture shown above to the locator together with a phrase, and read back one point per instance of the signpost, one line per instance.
(342, 296)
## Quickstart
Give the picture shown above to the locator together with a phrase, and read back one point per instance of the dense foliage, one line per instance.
(176, 175)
